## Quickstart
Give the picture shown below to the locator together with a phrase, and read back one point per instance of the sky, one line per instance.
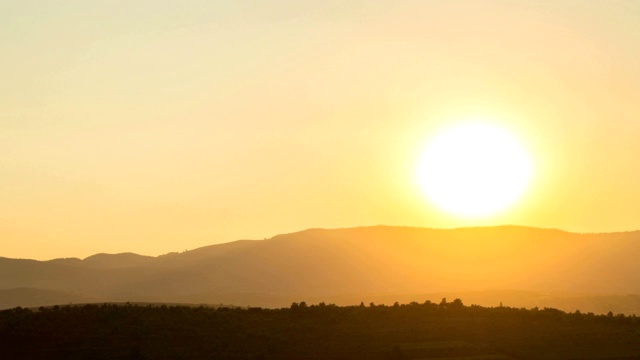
(160, 126)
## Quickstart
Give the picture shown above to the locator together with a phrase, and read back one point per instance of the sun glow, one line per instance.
(474, 170)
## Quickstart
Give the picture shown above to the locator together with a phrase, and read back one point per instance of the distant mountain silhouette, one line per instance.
(108, 261)
(380, 263)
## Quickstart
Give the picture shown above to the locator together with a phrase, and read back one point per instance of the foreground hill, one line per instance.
(444, 330)
(598, 271)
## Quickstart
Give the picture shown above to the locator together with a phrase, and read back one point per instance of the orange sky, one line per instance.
(156, 126)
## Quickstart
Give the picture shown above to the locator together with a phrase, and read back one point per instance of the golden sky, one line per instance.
(157, 126)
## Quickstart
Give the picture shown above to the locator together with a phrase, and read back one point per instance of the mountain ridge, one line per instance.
(348, 263)
(466, 228)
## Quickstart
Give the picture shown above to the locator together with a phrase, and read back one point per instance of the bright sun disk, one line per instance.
(474, 170)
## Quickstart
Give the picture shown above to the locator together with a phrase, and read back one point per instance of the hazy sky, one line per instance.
(158, 126)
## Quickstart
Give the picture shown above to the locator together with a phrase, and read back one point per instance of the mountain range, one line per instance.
(513, 265)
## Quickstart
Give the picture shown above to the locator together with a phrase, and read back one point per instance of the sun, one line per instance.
(474, 170)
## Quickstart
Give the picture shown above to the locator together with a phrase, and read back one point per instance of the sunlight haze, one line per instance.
(157, 126)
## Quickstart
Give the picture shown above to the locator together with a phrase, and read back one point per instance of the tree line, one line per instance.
(314, 331)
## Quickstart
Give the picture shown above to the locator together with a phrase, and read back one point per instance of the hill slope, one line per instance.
(357, 263)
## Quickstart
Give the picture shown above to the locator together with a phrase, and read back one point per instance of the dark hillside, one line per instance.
(448, 330)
